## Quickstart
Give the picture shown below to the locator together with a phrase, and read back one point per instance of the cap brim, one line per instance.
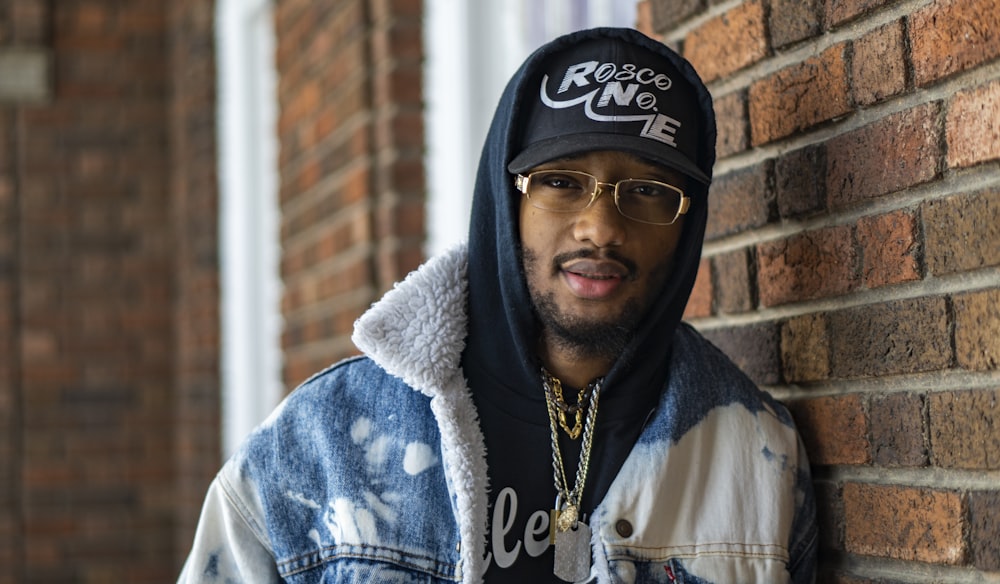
(574, 144)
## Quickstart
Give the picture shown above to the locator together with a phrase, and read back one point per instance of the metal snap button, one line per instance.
(624, 528)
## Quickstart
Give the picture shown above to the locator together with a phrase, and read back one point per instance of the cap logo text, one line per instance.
(621, 85)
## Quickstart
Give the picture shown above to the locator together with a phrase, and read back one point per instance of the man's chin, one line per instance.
(589, 337)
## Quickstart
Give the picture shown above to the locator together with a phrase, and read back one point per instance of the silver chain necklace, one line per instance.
(569, 534)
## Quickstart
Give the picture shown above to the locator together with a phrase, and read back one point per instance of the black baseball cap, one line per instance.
(612, 94)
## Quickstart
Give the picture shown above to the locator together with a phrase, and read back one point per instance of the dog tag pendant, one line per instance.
(572, 553)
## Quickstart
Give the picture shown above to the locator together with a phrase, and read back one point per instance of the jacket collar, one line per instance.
(417, 331)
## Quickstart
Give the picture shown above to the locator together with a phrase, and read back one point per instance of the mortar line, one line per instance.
(927, 382)
(978, 280)
(913, 572)
(935, 478)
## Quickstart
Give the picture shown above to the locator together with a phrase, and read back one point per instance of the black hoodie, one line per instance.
(500, 362)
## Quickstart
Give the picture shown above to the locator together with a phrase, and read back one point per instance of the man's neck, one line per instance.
(572, 367)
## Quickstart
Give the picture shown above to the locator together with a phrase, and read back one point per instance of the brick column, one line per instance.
(194, 221)
(352, 180)
(24, 80)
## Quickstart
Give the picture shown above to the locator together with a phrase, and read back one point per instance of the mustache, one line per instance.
(590, 254)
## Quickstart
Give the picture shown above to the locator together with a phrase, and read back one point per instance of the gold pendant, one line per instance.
(567, 518)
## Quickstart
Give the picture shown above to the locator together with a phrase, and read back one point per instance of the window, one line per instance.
(249, 218)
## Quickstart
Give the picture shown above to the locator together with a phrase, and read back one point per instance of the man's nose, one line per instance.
(601, 223)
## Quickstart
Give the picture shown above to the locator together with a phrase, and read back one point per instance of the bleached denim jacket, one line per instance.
(374, 470)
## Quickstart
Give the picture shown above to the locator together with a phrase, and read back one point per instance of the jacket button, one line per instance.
(624, 528)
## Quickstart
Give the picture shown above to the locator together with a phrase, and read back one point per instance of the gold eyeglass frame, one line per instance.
(521, 182)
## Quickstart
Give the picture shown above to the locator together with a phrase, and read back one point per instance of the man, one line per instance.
(530, 407)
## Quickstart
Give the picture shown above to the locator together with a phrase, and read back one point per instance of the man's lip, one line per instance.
(595, 268)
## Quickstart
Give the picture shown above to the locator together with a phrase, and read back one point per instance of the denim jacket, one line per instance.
(374, 470)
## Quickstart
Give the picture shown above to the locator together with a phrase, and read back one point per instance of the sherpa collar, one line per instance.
(417, 330)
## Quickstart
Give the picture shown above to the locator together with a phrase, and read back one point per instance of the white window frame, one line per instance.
(249, 217)
(472, 49)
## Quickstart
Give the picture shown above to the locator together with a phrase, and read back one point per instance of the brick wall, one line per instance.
(108, 334)
(853, 261)
(352, 180)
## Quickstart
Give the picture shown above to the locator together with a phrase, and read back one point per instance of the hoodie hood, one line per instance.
(503, 328)
(500, 360)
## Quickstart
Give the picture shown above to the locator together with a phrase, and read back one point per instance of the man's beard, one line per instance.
(584, 338)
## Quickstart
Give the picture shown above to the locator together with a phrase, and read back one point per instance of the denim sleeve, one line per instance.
(804, 538)
(227, 548)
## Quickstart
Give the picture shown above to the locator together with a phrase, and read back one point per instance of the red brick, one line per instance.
(815, 264)
(753, 348)
(896, 152)
(398, 42)
(898, 430)
(889, 245)
(403, 130)
(738, 201)
(950, 36)
(805, 350)
(733, 129)
(904, 523)
(904, 336)
(29, 21)
(799, 97)
(92, 17)
(962, 232)
(793, 20)
(972, 127)
(644, 18)
(977, 330)
(840, 11)
(833, 428)
(384, 10)
(984, 530)
(728, 42)
(732, 277)
(406, 176)
(965, 429)
(667, 15)
(5, 36)
(400, 219)
(800, 183)
(399, 85)
(700, 303)
(879, 64)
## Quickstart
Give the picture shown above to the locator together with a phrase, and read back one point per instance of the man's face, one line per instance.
(593, 274)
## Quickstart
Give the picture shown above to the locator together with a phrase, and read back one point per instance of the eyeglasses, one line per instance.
(571, 191)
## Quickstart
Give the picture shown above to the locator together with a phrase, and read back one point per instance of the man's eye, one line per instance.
(648, 190)
(560, 182)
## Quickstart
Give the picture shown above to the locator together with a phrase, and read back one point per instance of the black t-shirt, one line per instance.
(516, 428)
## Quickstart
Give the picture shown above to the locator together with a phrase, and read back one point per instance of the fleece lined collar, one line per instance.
(417, 330)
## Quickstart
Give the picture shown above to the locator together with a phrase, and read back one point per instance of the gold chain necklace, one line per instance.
(554, 397)
(567, 513)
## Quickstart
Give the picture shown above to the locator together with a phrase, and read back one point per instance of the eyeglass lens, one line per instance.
(568, 191)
